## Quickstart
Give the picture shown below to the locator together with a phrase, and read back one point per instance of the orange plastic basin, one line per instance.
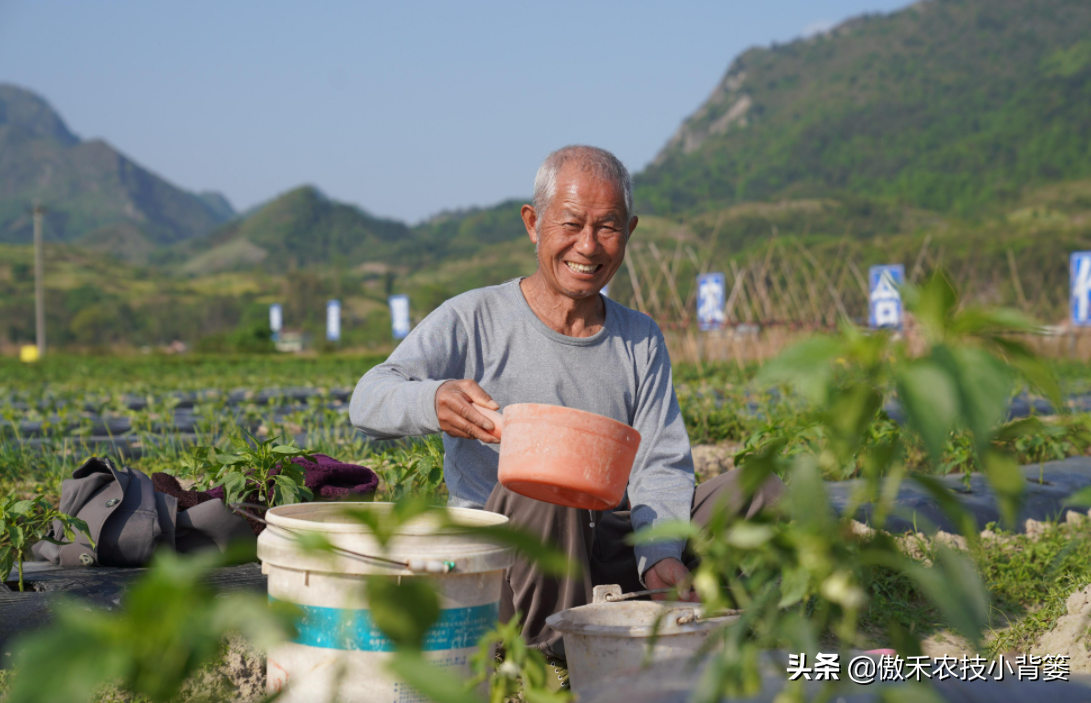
(564, 456)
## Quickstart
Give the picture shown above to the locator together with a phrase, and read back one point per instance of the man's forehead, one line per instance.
(603, 211)
(581, 190)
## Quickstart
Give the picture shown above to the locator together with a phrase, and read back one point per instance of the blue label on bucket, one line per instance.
(345, 628)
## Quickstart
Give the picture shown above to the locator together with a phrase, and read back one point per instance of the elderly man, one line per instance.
(552, 338)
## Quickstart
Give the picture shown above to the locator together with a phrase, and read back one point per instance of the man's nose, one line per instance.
(588, 241)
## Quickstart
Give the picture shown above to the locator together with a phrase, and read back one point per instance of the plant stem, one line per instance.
(19, 561)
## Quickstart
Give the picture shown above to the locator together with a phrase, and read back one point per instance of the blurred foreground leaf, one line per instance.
(403, 608)
(433, 683)
(170, 623)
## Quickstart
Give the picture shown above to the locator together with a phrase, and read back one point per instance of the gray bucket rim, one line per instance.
(289, 517)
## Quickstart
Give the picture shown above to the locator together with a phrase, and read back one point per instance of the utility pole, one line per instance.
(39, 280)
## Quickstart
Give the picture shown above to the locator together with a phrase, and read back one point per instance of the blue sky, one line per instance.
(404, 108)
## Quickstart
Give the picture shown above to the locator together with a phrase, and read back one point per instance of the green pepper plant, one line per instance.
(23, 522)
(799, 573)
(262, 469)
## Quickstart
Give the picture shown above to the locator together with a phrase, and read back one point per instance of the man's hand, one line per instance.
(456, 412)
(667, 573)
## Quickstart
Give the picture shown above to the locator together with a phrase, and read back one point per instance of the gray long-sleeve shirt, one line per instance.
(492, 336)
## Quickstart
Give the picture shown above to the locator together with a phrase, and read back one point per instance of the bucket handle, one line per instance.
(612, 594)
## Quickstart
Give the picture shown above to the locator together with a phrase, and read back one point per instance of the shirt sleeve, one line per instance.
(661, 485)
(397, 398)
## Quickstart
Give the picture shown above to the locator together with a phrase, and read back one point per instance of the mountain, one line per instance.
(465, 232)
(95, 195)
(948, 105)
(298, 229)
(304, 228)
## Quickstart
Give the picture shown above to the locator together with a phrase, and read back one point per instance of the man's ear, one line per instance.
(632, 225)
(530, 221)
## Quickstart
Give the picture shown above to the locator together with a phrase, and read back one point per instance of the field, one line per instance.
(154, 408)
(157, 412)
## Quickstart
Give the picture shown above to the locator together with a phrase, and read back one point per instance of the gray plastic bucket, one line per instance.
(607, 638)
(338, 650)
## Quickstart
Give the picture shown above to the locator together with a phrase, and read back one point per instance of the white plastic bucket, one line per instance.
(338, 650)
(604, 639)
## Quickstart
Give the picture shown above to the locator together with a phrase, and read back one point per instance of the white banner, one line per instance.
(276, 319)
(710, 301)
(885, 296)
(1080, 273)
(333, 320)
(399, 315)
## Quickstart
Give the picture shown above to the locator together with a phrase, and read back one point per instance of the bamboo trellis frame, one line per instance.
(784, 283)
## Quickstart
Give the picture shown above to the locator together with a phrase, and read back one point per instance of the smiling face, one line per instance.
(581, 236)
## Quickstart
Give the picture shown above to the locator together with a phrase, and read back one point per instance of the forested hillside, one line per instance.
(948, 105)
(953, 133)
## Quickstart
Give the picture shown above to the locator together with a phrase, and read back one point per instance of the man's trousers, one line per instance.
(599, 550)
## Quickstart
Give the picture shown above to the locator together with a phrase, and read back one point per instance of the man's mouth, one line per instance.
(583, 268)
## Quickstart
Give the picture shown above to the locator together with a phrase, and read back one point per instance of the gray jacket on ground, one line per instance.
(129, 520)
(492, 336)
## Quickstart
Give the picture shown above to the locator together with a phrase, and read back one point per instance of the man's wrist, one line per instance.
(427, 407)
(648, 555)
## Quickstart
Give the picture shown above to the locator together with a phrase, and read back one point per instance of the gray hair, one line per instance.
(599, 162)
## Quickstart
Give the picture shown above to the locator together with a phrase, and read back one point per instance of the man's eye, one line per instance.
(571, 225)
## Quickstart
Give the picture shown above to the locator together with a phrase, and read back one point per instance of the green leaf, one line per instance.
(955, 510)
(1026, 427)
(1081, 498)
(985, 385)
(930, 399)
(976, 321)
(1007, 480)
(748, 535)
(853, 409)
(235, 486)
(807, 497)
(956, 588)
(667, 531)
(312, 541)
(287, 491)
(403, 608)
(7, 561)
(434, 684)
(286, 449)
(17, 536)
(547, 557)
(807, 366)
(538, 696)
(952, 584)
(168, 626)
(793, 586)
(759, 466)
(1040, 375)
(933, 304)
(384, 523)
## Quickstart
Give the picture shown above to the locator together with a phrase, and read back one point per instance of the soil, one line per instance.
(1071, 635)
(714, 459)
(237, 675)
(946, 644)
